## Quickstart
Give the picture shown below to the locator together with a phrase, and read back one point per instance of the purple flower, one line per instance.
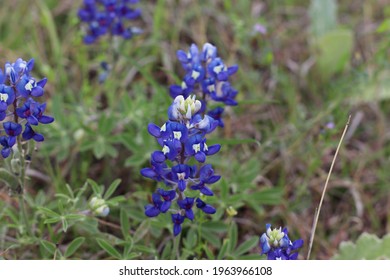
(187, 204)
(7, 143)
(180, 173)
(29, 133)
(167, 197)
(206, 177)
(33, 112)
(7, 97)
(152, 210)
(12, 129)
(208, 209)
(177, 220)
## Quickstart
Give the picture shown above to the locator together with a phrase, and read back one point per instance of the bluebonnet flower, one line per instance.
(208, 209)
(18, 105)
(276, 244)
(207, 74)
(183, 137)
(109, 17)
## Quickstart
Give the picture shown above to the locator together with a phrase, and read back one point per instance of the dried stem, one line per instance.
(318, 210)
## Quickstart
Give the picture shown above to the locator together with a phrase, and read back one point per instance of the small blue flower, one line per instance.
(226, 94)
(7, 97)
(187, 204)
(208, 209)
(181, 173)
(152, 210)
(167, 197)
(28, 86)
(12, 129)
(7, 143)
(33, 112)
(216, 114)
(177, 220)
(29, 133)
(156, 172)
(206, 177)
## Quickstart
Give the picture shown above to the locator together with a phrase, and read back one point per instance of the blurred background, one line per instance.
(304, 67)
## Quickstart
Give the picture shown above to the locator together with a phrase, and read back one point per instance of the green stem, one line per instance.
(22, 179)
(23, 214)
(176, 244)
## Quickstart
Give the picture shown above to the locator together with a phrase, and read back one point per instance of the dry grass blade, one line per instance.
(318, 210)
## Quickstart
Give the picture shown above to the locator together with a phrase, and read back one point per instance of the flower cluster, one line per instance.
(208, 76)
(277, 245)
(183, 137)
(18, 105)
(108, 17)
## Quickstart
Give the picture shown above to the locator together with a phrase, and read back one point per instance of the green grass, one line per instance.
(276, 148)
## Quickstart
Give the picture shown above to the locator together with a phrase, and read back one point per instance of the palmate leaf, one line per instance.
(367, 247)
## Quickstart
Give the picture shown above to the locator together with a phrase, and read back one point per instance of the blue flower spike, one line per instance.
(109, 17)
(183, 137)
(18, 108)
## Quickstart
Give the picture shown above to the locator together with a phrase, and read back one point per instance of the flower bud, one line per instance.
(99, 207)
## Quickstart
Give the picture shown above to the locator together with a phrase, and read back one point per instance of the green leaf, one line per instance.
(98, 190)
(65, 224)
(211, 237)
(217, 227)
(73, 246)
(49, 246)
(191, 238)
(208, 252)
(166, 253)
(145, 249)
(74, 217)
(8, 178)
(125, 225)
(111, 189)
(334, 51)
(99, 148)
(246, 246)
(48, 212)
(269, 196)
(367, 247)
(142, 230)
(52, 220)
(223, 250)
(128, 247)
(233, 237)
(108, 248)
(133, 255)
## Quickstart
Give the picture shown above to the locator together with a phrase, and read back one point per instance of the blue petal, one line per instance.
(165, 206)
(154, 130)
(200, 156)
(190, 214)
(208, 209)
(148, 172)
(151, 211)
(176, 229)
(213, 149)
